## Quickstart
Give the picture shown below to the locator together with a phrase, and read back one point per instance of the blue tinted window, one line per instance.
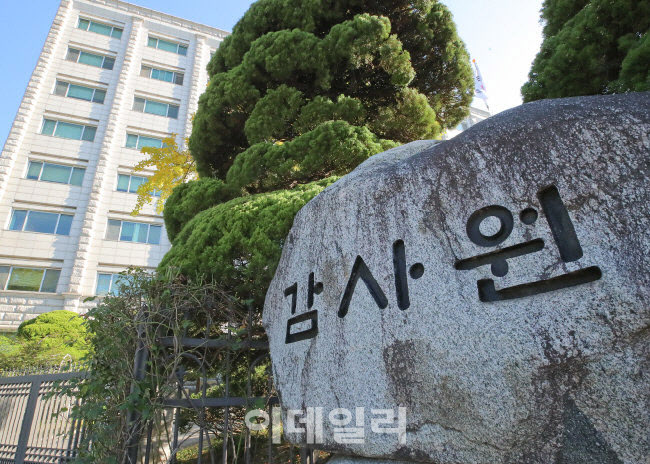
(167, 46)
(34, 170)
(99, 96)
(149, 142)
(39, 221)
(56, 173)
(17, 219)
(91, 59)
(65, 221)
(131, 141)
(154, 107)
(108, 63)
(77, 176)
(173, 112)
(68, 131)
(162, 75)
(103, 284)
(122, 183)
(89, 134)
(136, 182)
(100, 28)
(48, 127)
(154, 234)
(82, 93)
(128, 231)
(141, 232)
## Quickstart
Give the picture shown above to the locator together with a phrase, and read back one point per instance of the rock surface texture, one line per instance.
(497, 285)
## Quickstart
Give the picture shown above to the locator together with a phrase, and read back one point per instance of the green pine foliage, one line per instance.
(301, 93)
(187, 200)
(376, 56)
(238, 243)
(591, 47)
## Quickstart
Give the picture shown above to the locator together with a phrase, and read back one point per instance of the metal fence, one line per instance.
(191, 397)
(35, 422)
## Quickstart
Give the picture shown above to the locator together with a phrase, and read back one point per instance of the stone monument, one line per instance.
(480, 300)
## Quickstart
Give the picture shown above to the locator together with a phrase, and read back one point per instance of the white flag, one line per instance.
(479, 86)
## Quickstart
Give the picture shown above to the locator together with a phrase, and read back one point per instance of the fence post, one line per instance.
(26, 426)
(139, 372)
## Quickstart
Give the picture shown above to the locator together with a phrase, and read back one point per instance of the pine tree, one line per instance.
(301, 93)
(591, 47)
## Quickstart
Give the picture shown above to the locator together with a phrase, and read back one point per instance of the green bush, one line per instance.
(45, 340)
(591, 47)
(187, 200)
(383, 59)
(300, 92)
(238, 243)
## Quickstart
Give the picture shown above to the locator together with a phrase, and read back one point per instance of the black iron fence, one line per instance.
(35, 422)
(213, 427)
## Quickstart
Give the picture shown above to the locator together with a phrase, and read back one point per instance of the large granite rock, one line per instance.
(496, 285)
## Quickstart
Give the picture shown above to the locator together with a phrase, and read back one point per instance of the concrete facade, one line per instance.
(87, 250)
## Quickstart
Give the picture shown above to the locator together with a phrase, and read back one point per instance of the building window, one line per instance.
(48, 172)
(108, 283)
(162, 75)
(40, 221)
(138, 232)
(126, 183)
(66, 89)
(140, 141)
(153, 107)
(28, 279)
(67, 130)
(99, 61)
(167, 46)
(99, 28)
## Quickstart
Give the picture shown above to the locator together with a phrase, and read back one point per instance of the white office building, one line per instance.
(478, 111)
(112, 77)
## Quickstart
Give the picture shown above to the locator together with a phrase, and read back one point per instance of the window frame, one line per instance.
(56, 124)
(80, 51)
(114, 277)
(90, 21)
(138, 141)
(28, 211)
(151, 69)
(40, 286)
(179, 45)
(128, 188)
(40, 172)
(67, 91)
(147, 100)
(119, 235)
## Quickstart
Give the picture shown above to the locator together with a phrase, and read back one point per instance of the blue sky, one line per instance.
(502, 35)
